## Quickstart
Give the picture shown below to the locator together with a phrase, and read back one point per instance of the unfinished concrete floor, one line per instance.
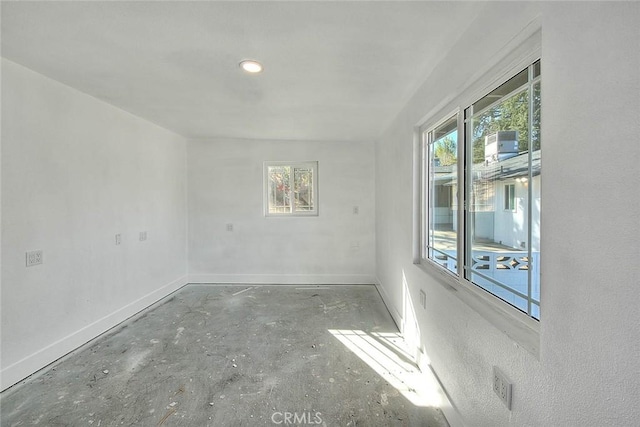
(234, 356)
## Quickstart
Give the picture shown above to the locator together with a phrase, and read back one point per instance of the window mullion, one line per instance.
(424, 195)
(530, 194)
(461, 190)
(465, 237)
(429, 216)
(292, 193)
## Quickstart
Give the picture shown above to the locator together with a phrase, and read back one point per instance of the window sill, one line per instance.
(522, 329)
(292, 215)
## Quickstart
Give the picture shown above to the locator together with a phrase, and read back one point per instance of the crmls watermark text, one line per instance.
(296, 418)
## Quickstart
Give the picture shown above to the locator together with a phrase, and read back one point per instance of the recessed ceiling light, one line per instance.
(251, 66)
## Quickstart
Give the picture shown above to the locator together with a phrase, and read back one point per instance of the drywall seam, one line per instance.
(25, 367)
(284, 279)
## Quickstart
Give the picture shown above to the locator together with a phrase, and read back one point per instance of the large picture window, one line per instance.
(291, 189)
(487, 233)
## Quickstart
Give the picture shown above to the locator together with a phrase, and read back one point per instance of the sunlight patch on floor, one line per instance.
(386, 356)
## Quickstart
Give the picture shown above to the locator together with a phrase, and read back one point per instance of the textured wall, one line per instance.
(75, 172)
(590, 336)
(587, 371)
(226, 187)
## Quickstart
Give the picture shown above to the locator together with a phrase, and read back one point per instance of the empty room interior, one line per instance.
(320, 213)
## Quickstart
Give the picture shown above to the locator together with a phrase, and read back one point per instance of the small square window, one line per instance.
(291, 188)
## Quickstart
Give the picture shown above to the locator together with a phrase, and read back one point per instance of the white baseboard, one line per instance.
(22, 369)
(284, 279)
(25, 367)
(450, 412)
(397, 318)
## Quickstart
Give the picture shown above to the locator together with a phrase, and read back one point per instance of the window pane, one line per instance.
(503, 256)
(536, 169)
(519, 80)
(303, 189)
(442, 195)
(279, 189)
(535, 127)
(509, 197)
(291, 188)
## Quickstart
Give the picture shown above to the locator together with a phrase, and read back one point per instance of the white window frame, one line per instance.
(426, 139)
(519, 326)
(313, 165)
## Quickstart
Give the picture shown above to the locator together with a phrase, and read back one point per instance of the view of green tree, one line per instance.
(535, 128)
(446, 151)
(279, 177)
(280, 184)
(510, 114)
(302, 188)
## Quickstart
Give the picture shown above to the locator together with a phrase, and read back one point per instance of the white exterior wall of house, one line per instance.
(483, 224)
(443, 215)
(510, 227)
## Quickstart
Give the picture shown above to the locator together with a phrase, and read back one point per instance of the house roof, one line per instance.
(510, 168)
(513, 167)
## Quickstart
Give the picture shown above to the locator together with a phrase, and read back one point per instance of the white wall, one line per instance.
(588, 369)
(75, 172)
(226, 187)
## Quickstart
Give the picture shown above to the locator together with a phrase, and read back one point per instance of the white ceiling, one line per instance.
(333, 70)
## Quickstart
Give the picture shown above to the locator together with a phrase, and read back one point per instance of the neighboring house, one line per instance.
(499, 200)
(499, 217)
(500, 190)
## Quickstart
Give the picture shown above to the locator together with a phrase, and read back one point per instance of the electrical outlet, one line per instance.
(118, 239)
(423, 299)
(34, 258)
(143, 236)
(356, 210)
(502, 387)
(229, 227)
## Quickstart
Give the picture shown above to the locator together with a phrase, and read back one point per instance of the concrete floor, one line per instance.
(234, 356)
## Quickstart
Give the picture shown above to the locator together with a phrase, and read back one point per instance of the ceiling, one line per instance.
(333, 70)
